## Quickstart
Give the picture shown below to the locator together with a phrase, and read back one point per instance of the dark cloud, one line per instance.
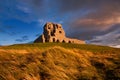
(30, 42)
(72, 5)
(37, 35)
(96, 41)
(104, 17)
(7, 30)
(35, 2)
(19, 40)
(25, 38)
(9, 27)
(22, 39)
(36, 8)
(88, 32)
(24, 10)
(110, 39)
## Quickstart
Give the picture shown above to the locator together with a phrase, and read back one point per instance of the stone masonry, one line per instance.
(55, 33)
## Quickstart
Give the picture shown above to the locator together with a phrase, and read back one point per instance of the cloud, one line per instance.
(34, 3)
(24, 9)
(101, 18)
(19, 40)
(90, 27)
(37, 35)
(38, 8)
(88, 34)
(7, 32)
(7, 29)
(110, 39)
(101, 23)
(73, 5)
(22, 39)
(116, 46)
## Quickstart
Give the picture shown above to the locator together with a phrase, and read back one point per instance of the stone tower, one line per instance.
(55, 33)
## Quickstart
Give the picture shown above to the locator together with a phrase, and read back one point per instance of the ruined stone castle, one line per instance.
(55, 33)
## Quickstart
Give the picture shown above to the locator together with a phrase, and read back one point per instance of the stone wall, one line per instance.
(55, 33)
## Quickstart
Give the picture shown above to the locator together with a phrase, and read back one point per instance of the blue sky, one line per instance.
(96, 21)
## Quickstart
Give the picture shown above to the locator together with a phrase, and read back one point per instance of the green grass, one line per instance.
(88, 47)
(59, 61)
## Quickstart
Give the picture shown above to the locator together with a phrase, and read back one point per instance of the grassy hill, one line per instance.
(59, 61)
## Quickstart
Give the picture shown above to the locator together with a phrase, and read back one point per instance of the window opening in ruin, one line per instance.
(53, 39)
(52, 34)
(54, 31)
(60, 31)
(46, 40)
(58, 41)
(63, 41)
(48, 27)
(56, 26)
(69, 42)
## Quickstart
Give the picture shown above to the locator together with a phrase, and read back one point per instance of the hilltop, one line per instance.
(59, 61)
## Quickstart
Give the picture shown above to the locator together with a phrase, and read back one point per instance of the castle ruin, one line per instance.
(55, 33)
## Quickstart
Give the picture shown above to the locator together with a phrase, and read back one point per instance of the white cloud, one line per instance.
(117, 46)
(24, 9)
(109, 39)
(41, 22)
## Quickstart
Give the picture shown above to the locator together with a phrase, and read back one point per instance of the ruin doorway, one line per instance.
(53, 39)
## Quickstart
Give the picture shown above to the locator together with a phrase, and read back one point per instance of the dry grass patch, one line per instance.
(59, 63)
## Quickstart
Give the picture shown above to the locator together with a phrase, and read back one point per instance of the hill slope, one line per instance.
(58, 61)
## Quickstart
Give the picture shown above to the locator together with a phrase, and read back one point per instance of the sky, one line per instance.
(95, 21)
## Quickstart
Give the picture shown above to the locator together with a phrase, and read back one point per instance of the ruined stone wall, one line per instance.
(55, 33)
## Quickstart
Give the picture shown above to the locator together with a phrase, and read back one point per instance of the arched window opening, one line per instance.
(53, 39)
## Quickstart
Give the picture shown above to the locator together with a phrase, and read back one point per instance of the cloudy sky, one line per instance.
(96, 21)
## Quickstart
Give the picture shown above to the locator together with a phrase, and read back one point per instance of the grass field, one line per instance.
(59, 61)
